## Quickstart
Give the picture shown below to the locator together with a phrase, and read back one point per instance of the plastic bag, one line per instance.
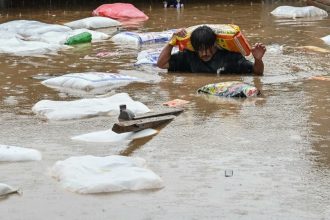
(230, 89)
(84, 37)
(229, 37)
(120, 11)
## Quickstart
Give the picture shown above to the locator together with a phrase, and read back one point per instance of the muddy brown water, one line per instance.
(277, 145)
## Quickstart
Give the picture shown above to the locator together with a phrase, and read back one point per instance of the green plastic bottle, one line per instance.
(83, 37)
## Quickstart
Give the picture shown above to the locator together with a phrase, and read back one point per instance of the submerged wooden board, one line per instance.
(163, 112)
(140, 124)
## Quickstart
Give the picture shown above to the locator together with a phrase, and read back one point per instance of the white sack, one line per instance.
(93, 23)
(150, 56)
(28, 28)
(111, 137)
(84, 108)
(12, 153)
(6, 189)
(96, 35)
(9, 35)
(142, 38)
(54, 37)
(298, 12)
(326, 39)
(51, 37)
(90, 174)
(21, 37)
(89, 81)
(20, 47)
(29, 38)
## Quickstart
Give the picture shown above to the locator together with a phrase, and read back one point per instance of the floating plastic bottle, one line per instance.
(83, 37)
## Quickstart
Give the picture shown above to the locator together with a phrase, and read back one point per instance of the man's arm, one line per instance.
(165, 55)
(258, 52)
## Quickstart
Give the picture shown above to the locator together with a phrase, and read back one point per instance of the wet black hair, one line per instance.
(203, 38)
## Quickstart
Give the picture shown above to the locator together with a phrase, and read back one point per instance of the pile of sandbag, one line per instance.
(27, 37)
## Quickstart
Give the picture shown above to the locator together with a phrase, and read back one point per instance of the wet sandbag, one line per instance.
(96, 35)
(298, 12)
(91, 174)
(60, 38)
(87, 108)
(326, 39)
(28, 28)
(108, 136)
(19, 47)
(229, 89)
(121, 11)
(229, 37)
(89, 81)
(93, 23)
(133, 38)
(150, 56)
(12, 154)
(81, 38)
(6, 190)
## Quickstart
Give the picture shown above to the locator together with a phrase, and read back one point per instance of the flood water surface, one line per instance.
(277, 145)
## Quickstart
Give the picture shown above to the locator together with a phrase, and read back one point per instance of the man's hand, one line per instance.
(258, 51)
(165, 55)
(179, 33)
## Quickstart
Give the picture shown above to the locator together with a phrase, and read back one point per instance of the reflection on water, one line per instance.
(277, 144)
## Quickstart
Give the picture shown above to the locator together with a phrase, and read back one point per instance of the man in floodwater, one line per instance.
(173, 3)
(207, 57)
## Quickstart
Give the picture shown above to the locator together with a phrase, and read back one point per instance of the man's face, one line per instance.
(207, 54)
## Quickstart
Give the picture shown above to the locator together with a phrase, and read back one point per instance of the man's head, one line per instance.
(203, 41)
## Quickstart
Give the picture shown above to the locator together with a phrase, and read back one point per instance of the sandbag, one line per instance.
(96, 35)
(89, 81)
(12, 153)
(121, 11)
(326, 39)
(61, 38)
(33, 38)
(93, 23)
(86, 108)
(229, 89)
(90, 174)
(298, 12)
(19, 47)
(150, 56)
(21, 38)
(229, 37)
(5, 190)
(108, 136)
(28, 28)
(133, 38)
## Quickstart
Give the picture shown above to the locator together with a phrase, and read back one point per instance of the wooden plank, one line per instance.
(163, 112)
(138, 125)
